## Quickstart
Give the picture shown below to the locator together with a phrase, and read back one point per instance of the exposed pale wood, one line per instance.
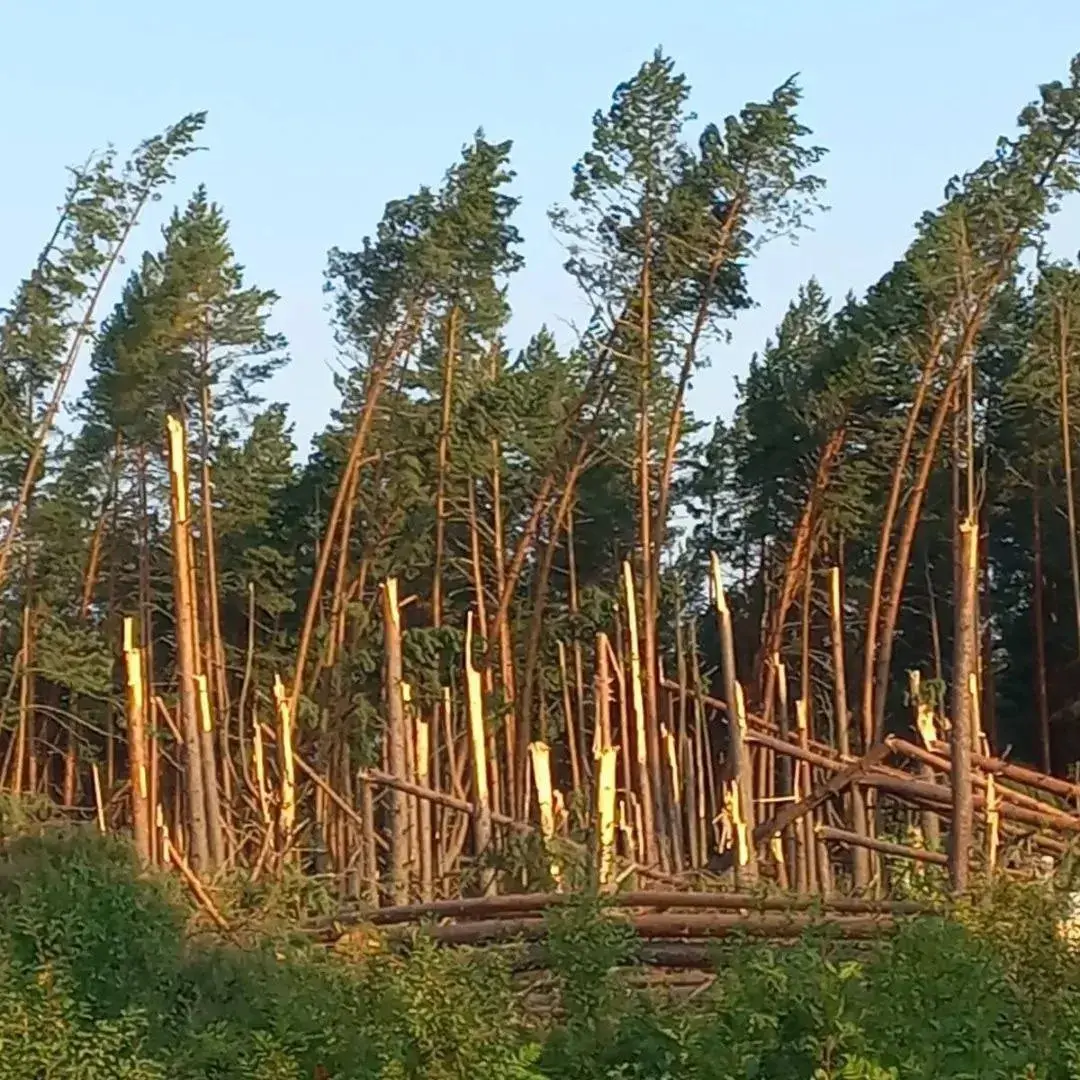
(475, 704)
(602, 696)
(136, 737)
(396, 741)
(741, 773)
(641, 742)
(99, 802)
(423, 758)
(194, 773)
(286, 767)
(540, 757)
(605, 815)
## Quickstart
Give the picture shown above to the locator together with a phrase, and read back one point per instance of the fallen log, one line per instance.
(480, 907)
(886, 847)
(784, 746)
(1028, 777)
(663, 926)
(944, 764)
(941, 795)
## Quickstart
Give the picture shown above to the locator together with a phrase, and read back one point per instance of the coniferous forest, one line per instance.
(520, 622)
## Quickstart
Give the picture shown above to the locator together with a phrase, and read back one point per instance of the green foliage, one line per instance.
(97, 981)
(581, 950)
(69, 900)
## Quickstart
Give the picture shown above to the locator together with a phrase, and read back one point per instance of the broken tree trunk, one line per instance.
(741, 775)
(396, 742)
(198, 836)
(963, 673)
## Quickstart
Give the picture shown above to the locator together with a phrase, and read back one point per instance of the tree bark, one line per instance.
(888, 521)
(1062, 318)
(396, 743)
(1039, 619)
(795, 567)
(964, 658)
(375, 385)
(883, 660)
(443, 461)
(198, 835)
(741, 777)
(136, 738)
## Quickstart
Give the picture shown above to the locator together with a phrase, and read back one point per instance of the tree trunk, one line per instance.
(888, 521)
(642, 745)
(1039, 619)
(136, 738)
(795, 568)
(883, 661)
(375, 385)
(196, 800)
(741, 778)
(396, 743)
(1066, 458)
(964, 656)
(213, 603)
(443, 461)
(854, 798)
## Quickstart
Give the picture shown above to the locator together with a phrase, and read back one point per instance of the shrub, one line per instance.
(98, 979)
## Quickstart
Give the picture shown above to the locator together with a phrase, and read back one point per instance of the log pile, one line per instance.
(673, 930)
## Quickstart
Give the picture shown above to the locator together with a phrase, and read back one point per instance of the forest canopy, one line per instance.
(504, 492)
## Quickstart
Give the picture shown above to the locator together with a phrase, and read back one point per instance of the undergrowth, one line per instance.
(102, 978)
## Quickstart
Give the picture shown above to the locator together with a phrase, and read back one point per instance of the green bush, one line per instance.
(99, 979)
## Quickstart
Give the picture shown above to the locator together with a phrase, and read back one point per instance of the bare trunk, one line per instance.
(888, 521)
(642, 745)
(136, 737)
(213, 605)
(198, 835)
(883, 660)
(376, 383)
(854, 799)
(501, 627)
(41, 438)
(1039, 619)
(442, 465)
(579, 659)
(1066, 458)
(795, 567)
(741, 778)
(964, 687)
(396, 742)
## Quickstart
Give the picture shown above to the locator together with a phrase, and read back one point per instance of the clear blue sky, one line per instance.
(322, 111)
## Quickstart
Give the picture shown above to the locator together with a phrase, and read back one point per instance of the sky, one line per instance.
(320, 112)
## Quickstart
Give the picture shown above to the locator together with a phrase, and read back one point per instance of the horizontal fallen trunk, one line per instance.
(1029, 777)
(940, 795)
(944, 764)
(479, 907)
(833, 763)
(826, 832)
(666, 925)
